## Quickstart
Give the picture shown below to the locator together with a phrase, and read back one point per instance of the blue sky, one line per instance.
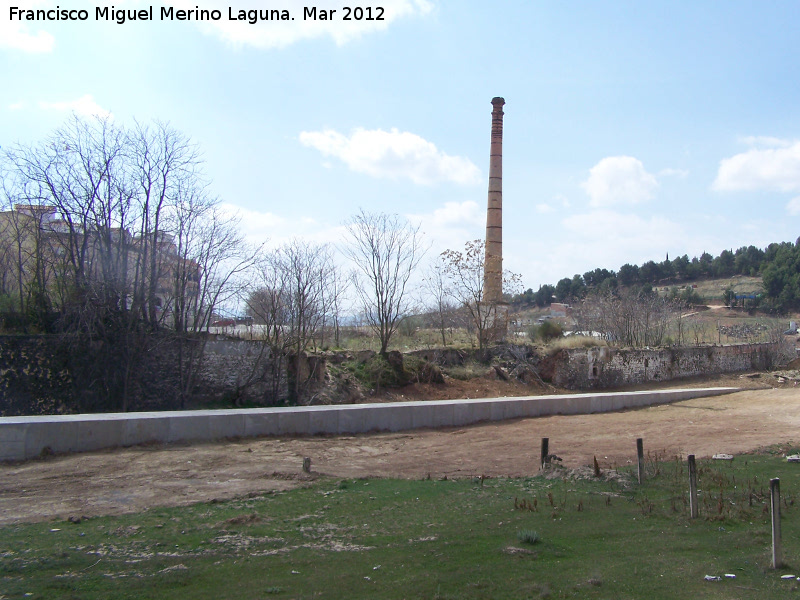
(632, 130)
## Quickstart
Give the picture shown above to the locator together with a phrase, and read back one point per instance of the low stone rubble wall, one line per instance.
(603, 367)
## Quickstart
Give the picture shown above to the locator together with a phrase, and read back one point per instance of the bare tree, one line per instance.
(465, 272)
(629, 317)
(79, 186)
(305, 268)
(166, 167)
(290, 302)
(436, 285)
(699, 331)
(26, 255)
(116, 230)
(80, 172)
(209, 269)
(385, 250)
(334, 295)
(268, 305)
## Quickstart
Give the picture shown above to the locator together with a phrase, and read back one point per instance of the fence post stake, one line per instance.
(692, 486)
(640, 454)
(545, 452)
(775, 498)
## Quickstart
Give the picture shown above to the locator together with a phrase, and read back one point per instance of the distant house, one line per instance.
(560, 310)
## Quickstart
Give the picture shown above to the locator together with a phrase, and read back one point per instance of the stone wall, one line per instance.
(34, 377)
(38, 376)
(602, 367)
(44, 375)
(242, 371)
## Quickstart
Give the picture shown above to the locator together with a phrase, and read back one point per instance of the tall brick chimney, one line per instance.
(493, 262)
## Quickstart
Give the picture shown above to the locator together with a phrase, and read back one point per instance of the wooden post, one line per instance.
(545, 452)
(775, 498)
(640, 455)
(692, 486)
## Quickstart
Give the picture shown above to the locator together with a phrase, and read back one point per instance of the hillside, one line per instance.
(711, 290)
(777, 267)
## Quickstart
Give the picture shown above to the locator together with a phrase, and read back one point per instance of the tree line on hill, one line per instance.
(778, 265)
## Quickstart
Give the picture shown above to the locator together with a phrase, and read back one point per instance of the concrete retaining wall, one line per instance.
(27, 437)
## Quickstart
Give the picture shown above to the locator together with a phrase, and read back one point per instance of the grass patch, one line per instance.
(574, 341)
(597, 538)
(467, 371)
(711, 290)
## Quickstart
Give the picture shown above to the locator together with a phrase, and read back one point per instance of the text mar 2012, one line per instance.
(168, 13)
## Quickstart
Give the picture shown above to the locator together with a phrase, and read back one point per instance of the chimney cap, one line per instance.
(498, 101)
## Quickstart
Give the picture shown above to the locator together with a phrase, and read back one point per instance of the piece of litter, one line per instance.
(368, 578)
(55, 530)
(730, 575)
(793, 458)
(376, 568)
(295, 572)
(787, 576)
(723, 457)
(711, 578)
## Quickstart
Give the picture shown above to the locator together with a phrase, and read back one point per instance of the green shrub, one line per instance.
(546, 332)
(377, 372)
(528, 536)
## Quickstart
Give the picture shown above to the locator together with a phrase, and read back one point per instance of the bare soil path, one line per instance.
(132, 479)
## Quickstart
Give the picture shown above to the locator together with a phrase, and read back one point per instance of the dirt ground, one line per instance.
(134, 479)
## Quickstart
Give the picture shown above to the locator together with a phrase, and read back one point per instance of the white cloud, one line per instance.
(557, 203)
(793, 207)
(619, 180)
(84, 106)
(774, 168)
(679, 173)
(448, 227)
(599, 238)
(16, 106)
(453, 214)
(274, 229)
(394, 155)
(620, 227)
(17, 35)
(765, 140)
(254, 223)
(279, 34)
